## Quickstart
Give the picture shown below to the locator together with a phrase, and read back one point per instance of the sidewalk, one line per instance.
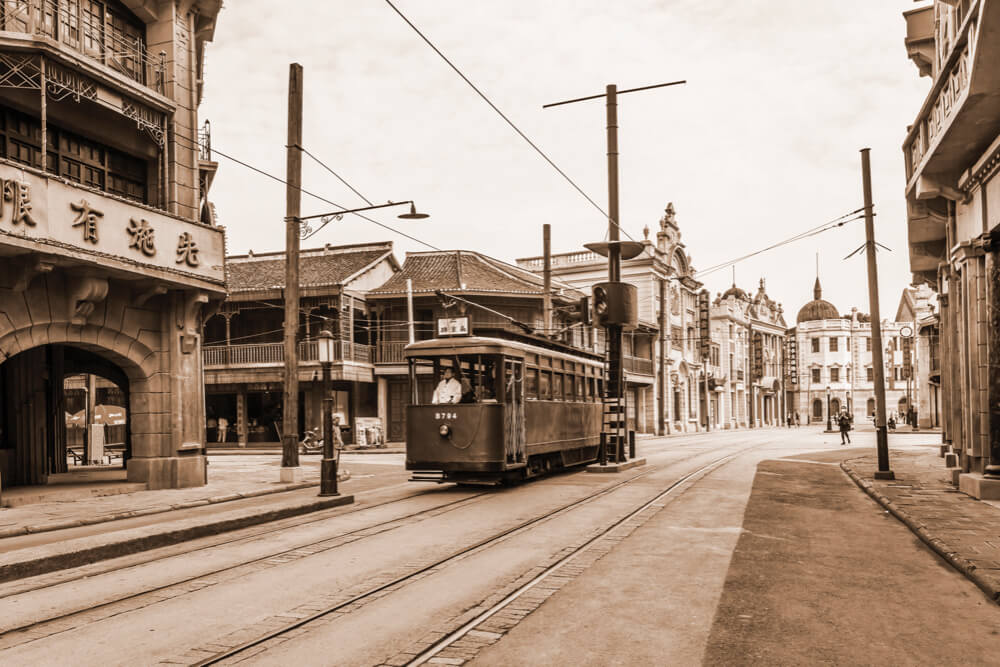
(962, 530)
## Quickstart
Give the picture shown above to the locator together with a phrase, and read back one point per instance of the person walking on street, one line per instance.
(845, 425)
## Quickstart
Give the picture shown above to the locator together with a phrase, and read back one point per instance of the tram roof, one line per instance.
(485, 345)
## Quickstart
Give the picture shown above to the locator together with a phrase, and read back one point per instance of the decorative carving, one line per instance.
(20, 71)
(18, 275)
(143, 297)
(61, 83)
(189, 321)
(146, 119)
(84, 295)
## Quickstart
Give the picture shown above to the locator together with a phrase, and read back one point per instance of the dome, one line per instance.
(817, 309)
(734, 291)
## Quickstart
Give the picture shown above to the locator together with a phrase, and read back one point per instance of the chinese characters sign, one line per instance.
(64, 219)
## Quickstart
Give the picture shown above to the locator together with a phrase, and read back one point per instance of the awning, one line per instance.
(769, 383)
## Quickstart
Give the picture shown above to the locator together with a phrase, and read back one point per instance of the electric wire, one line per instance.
(507, 120)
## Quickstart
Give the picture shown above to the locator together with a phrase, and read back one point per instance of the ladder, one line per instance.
(615, 416)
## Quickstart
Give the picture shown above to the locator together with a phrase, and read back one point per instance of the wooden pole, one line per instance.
(878, 369)
(293, 200)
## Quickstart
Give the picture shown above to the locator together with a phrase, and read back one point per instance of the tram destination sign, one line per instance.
(453, 326)
(65, 219)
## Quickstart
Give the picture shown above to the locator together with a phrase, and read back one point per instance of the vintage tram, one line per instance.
(527, 406)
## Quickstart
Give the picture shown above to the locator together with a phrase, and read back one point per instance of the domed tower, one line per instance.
(818, 308)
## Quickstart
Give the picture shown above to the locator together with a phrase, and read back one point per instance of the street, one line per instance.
(732, 565)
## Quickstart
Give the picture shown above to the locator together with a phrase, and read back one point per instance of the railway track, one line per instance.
(234, 653)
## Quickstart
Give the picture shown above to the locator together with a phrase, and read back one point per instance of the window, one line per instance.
(870, 373)
(557, 386)
(531, 383)
(847, 344)
(815, 344)
(834, 373)
(545, 385)
(816, 376)
(581, 392)
(868, 344)
(817, 410)
(834, 343)
(848, 373)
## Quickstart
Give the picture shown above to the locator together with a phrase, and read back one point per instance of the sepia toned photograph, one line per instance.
(385, 333)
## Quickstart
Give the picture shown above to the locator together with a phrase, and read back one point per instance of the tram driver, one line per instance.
(449, 390)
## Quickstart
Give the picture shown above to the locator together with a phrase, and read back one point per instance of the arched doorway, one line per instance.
(870, 407)
(834, 406)
(817, 410)
(36, 412)
(902, 408)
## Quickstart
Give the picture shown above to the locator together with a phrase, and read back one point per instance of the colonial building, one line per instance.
(663, 365)
(747, 359)
(952, 157)
(244, 352)
(513, 301)
(834, 369)
(110, 254)
(918, 321)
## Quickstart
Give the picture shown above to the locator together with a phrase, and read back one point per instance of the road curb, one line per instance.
(136, 540)
(963, 565)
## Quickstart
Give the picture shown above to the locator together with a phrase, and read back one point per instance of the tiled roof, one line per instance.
(331, 265)
(464, 271)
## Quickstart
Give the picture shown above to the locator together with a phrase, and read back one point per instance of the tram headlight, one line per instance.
(444, 430)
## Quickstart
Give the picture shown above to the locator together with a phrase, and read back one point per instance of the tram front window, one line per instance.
(475, 374)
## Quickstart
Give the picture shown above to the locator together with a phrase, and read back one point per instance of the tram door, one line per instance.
(513, 397)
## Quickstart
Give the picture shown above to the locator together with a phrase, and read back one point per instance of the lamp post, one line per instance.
(829, 424)
(328, 468)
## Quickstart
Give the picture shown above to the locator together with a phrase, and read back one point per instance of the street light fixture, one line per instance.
(306, 231)
(328, 468)
(829, 424)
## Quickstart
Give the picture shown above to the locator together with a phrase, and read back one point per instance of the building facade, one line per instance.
(834, 365)
(952, 157)
(665, 372)
(244, 352)
(111, 254)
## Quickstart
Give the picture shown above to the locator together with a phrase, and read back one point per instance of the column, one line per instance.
(242, 423)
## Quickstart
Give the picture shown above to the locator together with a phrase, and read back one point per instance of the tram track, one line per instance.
(375, 592)
(340, 540)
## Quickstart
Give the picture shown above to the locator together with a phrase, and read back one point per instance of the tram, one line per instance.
(527, 407)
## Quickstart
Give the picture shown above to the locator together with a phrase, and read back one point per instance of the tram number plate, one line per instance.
(445, 415)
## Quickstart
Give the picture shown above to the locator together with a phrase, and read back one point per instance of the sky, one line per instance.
(760, 144)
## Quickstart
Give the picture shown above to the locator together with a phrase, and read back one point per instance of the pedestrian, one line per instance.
(845, 425)
(223, 427)
(789, 420)
(798, 422)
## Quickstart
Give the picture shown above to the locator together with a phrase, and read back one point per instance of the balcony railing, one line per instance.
(638, 365)
(205, 142)
(567, 259)
(271, 354)
(86, 34)
(390, 352)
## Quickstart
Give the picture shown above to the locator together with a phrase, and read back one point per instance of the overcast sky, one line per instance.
(762, 143)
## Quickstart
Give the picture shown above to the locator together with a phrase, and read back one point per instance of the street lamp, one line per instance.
(829, 424)
(328, 468)
(306, 231)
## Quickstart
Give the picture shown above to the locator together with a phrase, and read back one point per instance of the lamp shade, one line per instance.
(325, 347)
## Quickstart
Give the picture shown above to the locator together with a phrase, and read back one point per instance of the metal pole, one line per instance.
(829, 423)
(664, 331)
(881, 434)
(708, 402)
(547, 278)
(328, 473)
(409, 308)
(614, 250)
(293, 196)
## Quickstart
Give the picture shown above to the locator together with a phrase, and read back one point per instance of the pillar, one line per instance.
(242, 423)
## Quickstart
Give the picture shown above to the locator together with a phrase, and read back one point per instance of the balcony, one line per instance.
(638, 365)
(390, 352)
(59, 22)
(256, 355)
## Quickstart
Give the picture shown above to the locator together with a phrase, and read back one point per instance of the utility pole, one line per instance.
(290, 470)
(878, 369)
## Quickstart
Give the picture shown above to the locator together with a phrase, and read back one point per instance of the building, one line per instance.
(917, 311)
(951, 154)
(748, 359)
(511, 300)
(833, 364)
(662, 356)
(111, 255)
(244, 352)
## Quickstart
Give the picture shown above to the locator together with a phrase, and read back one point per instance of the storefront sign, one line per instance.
(59, 215)
(453, 326)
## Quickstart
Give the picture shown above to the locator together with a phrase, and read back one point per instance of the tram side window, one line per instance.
(569, 386)
(531, 383)
(545, 385)
(581, 394)
(557, 386)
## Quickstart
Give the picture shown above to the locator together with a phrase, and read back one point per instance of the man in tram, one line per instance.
(449, 390)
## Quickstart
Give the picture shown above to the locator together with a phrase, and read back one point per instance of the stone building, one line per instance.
(918, 320)
(834, 364)
(110, 254)
(662, 357)
(951, 153)
(748, 348)
(244, 352)
(513, 294)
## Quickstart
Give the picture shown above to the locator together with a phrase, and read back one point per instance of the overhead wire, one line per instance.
(506, 119)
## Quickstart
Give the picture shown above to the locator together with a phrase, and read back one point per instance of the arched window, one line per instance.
(870, 407)
(817, 410)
